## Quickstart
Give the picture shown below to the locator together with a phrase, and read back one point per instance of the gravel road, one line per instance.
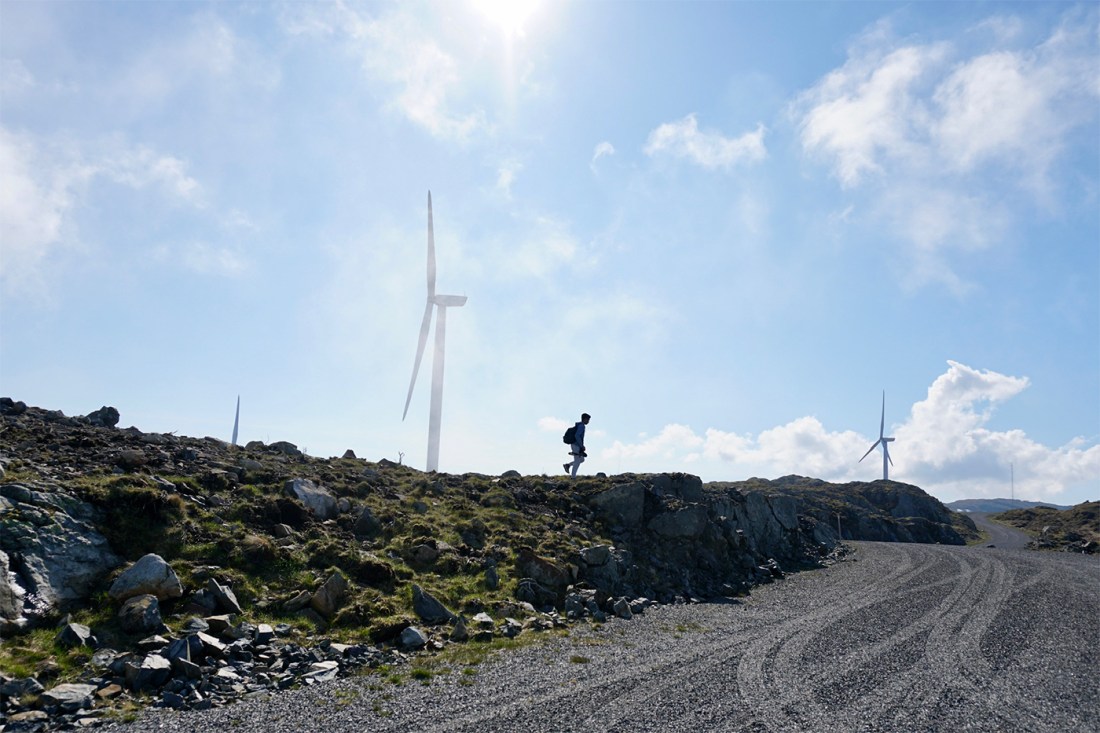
(1000, 535)
(899, 637)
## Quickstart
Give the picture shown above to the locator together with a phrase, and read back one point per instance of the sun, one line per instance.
(510, 16)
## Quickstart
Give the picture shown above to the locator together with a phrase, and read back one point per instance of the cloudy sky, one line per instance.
(723, 229)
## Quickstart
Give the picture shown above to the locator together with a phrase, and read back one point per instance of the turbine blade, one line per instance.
(424, 326)
(882, 422)
(887, 452)
(873, 446)
(431, 250)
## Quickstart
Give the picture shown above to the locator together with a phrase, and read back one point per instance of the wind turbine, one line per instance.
(236, 421)
(886, 459)
(442, 302)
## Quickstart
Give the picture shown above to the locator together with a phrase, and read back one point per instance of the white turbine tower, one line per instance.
(236, 421)
(442, 302)
(887, 461)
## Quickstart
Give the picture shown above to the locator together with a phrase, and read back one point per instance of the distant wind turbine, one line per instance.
(236, 421)
(442, 302)
(887, 461)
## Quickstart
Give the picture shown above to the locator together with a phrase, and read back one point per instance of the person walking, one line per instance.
(577, 447)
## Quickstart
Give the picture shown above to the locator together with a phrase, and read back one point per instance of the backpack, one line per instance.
(570, 435)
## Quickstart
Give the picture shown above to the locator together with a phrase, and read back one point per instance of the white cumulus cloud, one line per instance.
(945, 446)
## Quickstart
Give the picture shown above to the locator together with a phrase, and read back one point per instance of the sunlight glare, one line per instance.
(508, 15)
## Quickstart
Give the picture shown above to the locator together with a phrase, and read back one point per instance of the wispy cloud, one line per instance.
(424, 81)
(945, 446)
(44, 183)
(709, 149)
(603, 149)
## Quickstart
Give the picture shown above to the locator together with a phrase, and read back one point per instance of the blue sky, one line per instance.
(723, 229)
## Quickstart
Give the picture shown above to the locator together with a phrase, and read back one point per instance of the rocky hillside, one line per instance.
(1076, 529)
(142, 568)
(881, 511)
(160, 569)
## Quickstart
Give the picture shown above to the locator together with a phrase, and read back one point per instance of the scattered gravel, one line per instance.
(900, 637)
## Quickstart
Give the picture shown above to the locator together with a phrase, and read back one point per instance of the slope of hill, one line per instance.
(1076, 529)
(992, 506)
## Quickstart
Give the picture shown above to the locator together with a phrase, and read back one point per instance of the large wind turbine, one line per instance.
(884, 441)
(442, 302)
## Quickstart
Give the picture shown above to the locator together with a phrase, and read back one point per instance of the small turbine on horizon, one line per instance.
(236, 421)
(442, 302)
(887, 461)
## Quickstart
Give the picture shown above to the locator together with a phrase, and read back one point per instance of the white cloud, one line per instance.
(506, 176)
(683, 139)
(425, 80)
(945, 447)
(867, 110)
(937, 125)
(602, 149)
(43, 184)
(34, 203)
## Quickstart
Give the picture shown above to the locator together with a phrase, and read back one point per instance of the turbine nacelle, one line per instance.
(448, 301)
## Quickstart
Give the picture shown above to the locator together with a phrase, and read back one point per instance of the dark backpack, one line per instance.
(570, 435)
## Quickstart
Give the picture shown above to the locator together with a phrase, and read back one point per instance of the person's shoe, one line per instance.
(566, 467)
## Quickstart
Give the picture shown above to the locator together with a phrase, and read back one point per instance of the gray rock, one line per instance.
(147, 673)
(430, 609)
(328, 598)
(321, 671)
(141, 614)
(686, 522)
(73, 634)
(55, 555)
(623, 505)
(284, 447)
(367, 526)
(225, 597)
(460, 632)
(11, 598)
(70, 697)
(413, 638)
(150, 575)
(317, 499)
(106, 417)
(621, 608)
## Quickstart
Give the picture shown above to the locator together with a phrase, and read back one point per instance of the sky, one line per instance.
(729, 231)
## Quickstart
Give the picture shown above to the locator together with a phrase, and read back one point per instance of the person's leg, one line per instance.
(578, 458)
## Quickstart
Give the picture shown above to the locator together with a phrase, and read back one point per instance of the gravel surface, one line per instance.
(899, 637)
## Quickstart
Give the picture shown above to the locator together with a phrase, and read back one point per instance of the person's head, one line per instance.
(585, 417)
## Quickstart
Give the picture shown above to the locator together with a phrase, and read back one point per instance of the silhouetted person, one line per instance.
(577, 447)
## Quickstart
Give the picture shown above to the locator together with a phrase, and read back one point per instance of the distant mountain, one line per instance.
(993, 506)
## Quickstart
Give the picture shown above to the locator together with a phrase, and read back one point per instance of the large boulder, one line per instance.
(317, 499)
(55, 556)
(106, 417)
(150, 575)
